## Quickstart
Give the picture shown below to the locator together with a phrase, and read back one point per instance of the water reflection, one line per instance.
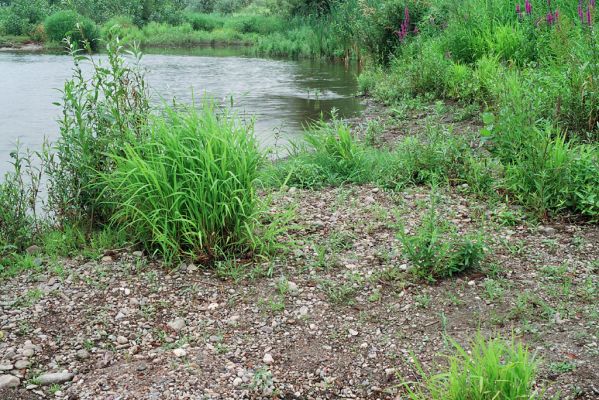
(282, 95)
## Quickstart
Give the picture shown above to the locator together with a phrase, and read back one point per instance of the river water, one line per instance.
(282, 95)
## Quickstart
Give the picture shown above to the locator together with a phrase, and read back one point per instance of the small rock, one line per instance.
(122, 340)
(28, 352)
(471, 283)
(138, 254)
(303, 311)
(179, 353)
(268, 359)
(31, 250)
(142, 367)
(54, 378)
(177, 324)
(237, 381)
(107, 259)
(82, 354)
(293, 288)
(8, 381)
(546, 230)
(352, 332)
(6, 366)
(22, 364)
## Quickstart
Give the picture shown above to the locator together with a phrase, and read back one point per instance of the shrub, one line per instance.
(189, 188)
(205, 22)
(23, 15)
(69, 24)
(227, 6)
(492, 369)
(436, 251)
(123, 28)
(99, 115)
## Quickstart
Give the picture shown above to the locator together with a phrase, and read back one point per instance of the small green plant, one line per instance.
(436, 251)
(491, 369)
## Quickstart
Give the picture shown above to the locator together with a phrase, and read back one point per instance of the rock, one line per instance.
(107, 259)
(54, 378)
(237, 381)
(31, 250)
(303, 311)
(352, 332)
(28, 352)
(268, 359)
(179, 353)
(122, 340)
(293, 288)
(138, 254)
(142, 367)
(9, 381)
(22, 364)
(471, 283)
(177, 324)
(6, 366)
(82, 354)
(546, 230)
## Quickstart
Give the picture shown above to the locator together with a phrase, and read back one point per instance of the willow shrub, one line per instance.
(189, 188)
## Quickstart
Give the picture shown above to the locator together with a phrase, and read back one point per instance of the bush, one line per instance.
(189, 188)
(69, 24)
(205, 22)
(22, 16)
(436, 251)
(123, 28)
(99, 115)
(492, 369)
(227, 6)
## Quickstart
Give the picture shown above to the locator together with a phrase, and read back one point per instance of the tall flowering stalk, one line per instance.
(404, 28)
(528, 7)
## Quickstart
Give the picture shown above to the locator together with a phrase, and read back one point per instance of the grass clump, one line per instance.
(493, 369)
(189, 189)
(436, 251)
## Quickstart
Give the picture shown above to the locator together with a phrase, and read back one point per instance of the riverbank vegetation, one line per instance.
(473, 188)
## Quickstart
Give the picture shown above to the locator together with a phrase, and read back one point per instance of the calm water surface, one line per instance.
(281, 95)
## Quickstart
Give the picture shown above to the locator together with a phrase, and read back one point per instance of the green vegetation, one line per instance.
(190, 187)
(492, 369)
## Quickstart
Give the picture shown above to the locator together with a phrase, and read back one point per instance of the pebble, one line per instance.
(237, 381)
(179, 353)
(177, 324)
(353, 332)
(8, 381)
(6, 367)
(33, 250)
(82, 354)
(22, 364)
(54, 378)
(268, 359)
(29, 352)
(122, 340)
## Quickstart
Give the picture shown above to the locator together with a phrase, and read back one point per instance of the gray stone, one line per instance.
(177, 324)
(33, 250)
(9, 381)
(6, 366)
(29, 352)
(122, 340)
(268, 359)
(82, 354)
(55, 378)
(22, 364)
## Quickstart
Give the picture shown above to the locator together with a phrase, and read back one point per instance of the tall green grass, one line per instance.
(189, 189)
(492, 369)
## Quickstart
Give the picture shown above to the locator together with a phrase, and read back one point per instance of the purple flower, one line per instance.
(580, 13)
(556, 15)
(589, 17)
(592, 3)
(528, 7)
(518, 10)
(550, 18)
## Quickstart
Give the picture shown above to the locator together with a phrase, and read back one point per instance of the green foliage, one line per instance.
(70, 25)
(491, 369)
(99, 116)
(189, 189)
(437, 251)
(22, 16)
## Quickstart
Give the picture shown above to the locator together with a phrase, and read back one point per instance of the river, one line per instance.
(282, 95)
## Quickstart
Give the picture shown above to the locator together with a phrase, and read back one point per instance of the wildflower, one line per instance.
(589, 16)
(592, 3)
(528, 7)
(519, 11)
(549, 18)
(580, 13)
